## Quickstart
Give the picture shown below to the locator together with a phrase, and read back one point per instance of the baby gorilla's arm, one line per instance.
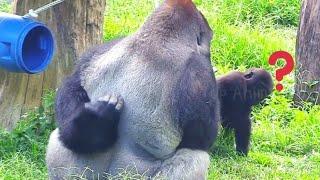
(242, 135)
(238, 119)
(86, 127)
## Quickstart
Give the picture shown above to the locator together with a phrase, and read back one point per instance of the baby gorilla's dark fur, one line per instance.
(238, 92)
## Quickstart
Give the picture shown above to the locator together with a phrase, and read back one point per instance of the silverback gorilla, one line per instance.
(238, 92)
(147, 101)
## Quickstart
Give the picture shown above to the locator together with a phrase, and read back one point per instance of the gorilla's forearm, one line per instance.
(242, 136)
(85, 127)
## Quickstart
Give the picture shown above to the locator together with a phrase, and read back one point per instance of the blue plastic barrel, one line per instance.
(26, 45)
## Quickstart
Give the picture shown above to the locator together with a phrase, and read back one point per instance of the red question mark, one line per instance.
(287, 69)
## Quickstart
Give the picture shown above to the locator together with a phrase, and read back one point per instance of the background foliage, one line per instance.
(5, 6)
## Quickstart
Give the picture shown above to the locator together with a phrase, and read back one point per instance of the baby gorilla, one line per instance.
(238, 92)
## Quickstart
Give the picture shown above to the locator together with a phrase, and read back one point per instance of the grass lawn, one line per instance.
(285, 140)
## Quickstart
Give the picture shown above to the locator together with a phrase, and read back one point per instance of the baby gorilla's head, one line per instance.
(259, 85)
(248, 88)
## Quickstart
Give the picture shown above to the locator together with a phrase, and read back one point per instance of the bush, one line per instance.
(22, 151)
(5, 6)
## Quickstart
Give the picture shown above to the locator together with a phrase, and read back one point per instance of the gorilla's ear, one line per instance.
(259, 83)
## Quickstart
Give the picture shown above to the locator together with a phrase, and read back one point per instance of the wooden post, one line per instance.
(307, 86)
(77, 25)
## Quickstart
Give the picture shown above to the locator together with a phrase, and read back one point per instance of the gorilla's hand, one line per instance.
(92, 127)
(106, 108)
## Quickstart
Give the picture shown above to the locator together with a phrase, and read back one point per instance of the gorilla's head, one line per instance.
(179, 21)
(245, 89)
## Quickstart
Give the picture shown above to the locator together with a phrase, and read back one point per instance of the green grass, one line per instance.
(285, 145)
(271, 12)
(285, 140)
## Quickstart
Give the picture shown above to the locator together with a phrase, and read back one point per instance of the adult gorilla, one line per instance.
(169, 119)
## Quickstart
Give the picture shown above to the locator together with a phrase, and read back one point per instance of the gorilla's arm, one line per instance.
(198, 104)
(239, 120)
(84, 126)
(242, 135)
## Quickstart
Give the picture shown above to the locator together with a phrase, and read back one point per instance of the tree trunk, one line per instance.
(77, 25)
(308, 54)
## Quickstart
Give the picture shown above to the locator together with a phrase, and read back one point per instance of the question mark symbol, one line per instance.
(287, 69)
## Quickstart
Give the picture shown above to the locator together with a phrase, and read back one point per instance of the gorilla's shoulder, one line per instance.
(98, 50)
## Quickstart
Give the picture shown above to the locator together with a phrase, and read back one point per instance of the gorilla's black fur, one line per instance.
(93, 125)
